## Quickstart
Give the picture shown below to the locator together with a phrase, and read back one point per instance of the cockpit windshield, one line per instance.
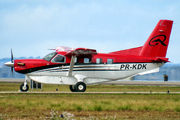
(49, 56)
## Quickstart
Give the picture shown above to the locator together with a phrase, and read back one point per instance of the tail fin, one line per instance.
(157, 43)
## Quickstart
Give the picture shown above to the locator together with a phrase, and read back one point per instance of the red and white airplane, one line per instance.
(82, 66)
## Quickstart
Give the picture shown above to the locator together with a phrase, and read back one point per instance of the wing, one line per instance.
(82, 52)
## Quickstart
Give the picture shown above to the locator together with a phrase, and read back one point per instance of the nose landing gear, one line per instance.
(24, 86)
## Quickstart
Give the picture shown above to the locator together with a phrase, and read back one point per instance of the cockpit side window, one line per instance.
(49, 56)
(58, 59)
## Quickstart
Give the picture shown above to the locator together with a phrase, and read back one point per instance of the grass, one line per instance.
(40, 104)
(94, 106)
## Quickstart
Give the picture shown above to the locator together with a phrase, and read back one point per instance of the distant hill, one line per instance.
(172, 70)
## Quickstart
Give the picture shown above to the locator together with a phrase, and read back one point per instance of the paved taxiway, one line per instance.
(163, 83)
(128, 82)
(114, 82)
(12, 80)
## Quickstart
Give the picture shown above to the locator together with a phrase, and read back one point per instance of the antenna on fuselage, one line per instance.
(73, 48)
(101, 49)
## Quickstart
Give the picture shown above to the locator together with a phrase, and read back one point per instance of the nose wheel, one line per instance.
(79, 87)
(24, 88)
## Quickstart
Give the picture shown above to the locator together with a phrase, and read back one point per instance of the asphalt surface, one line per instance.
(12, 80)
(125, 82)
(160, 83)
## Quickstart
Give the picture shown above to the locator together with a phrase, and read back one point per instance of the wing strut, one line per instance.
(79, 52)
(71, 65)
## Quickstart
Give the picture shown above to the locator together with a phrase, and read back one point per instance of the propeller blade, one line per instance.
(12, 59)
(11, 63)
(12, 70)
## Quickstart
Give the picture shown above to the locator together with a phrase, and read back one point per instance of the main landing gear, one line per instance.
(78, 87)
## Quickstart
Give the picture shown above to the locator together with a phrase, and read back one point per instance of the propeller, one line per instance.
(11, 63)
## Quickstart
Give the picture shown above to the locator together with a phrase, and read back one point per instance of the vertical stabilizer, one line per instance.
(157, 43)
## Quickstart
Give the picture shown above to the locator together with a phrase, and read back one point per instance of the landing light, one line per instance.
(21, 64)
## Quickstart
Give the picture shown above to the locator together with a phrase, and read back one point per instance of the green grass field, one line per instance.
(90, 106)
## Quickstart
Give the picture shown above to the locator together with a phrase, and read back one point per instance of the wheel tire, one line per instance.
(80, 87)
(71, 87)
(24, 89)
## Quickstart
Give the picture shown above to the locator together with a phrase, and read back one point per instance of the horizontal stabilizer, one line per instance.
(160, 60)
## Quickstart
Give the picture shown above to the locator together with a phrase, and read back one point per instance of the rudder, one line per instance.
(157, 43)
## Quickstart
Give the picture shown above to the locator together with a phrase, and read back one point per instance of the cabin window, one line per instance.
(76, 60)
(109, 61)
(87, 60)
(49, 56)
(58, 59)
(98, 60)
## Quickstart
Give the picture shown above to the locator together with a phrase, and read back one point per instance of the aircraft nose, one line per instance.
(10, 64)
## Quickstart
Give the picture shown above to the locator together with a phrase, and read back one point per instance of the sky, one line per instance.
(31, 27)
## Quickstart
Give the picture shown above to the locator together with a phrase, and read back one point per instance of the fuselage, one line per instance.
(110, 66)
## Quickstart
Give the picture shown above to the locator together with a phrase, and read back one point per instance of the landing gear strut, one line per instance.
(79, 87)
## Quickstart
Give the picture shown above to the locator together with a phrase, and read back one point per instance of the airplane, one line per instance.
(83, 66)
